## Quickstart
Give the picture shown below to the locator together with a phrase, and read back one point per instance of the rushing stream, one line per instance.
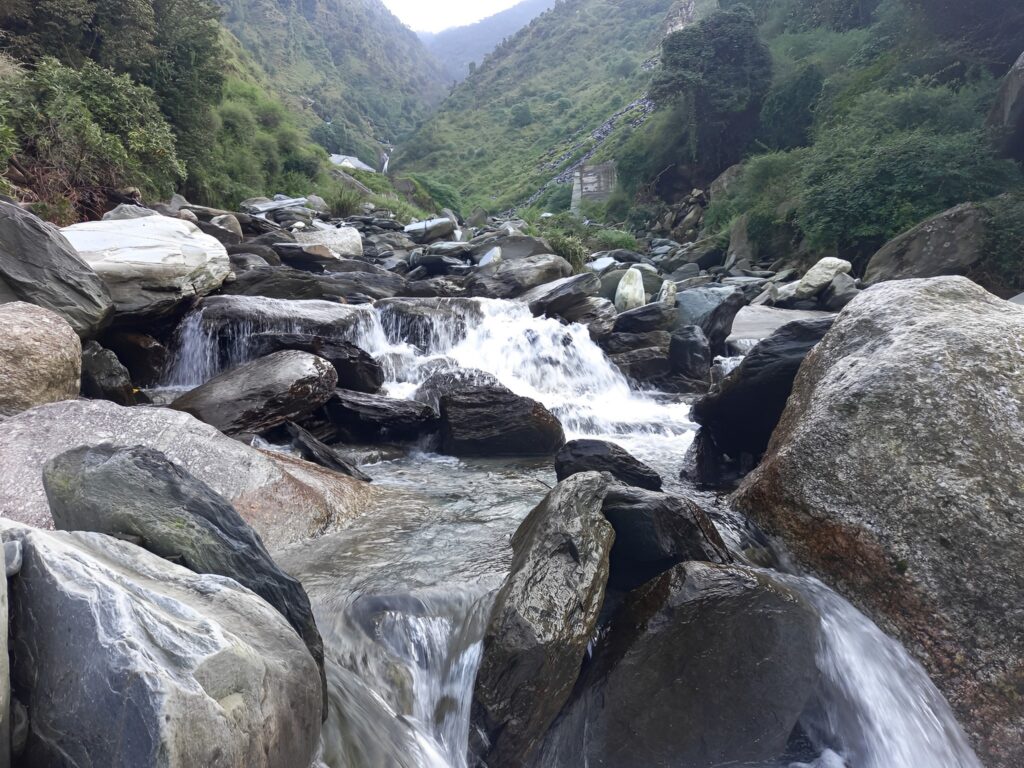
(402, 594)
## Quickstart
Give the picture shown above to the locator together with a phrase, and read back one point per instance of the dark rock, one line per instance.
(596, 313)
(618, 343)
(543, 619)
(510, 278)
(840, 292)
(493, 421)
(141, 354)
(295, 284)
(554, 298)
(104, 378)
(657, 316)
(655, 531)
(600, 456)
(39, 266)
(313, 450)
(262, 394)
(690, 353)
(308, 257)
(706, 665)
(225, 317)
(426, 322)
(643, 365)
(713, 308)
(435, 263)
(447, 381)
(742, 413)
(895, 472)
(358, 416)
(222, 234)
(356, 369)
(265, 252)
(1007, 115)
(140, 495)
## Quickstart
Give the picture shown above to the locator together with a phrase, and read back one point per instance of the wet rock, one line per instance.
(690, 353)
(103, 376)
(40, 358)
(446, 381)
(895, 473)
(656, 316)
(356, 369)
(139, 495)
(596, 313)
(262, 394)
(513, 277)
(426, 323)
(283, 498)
(357, 416)
(643, 365)
(556, 297)
(706, 665)
(820, 276)
(39, 266)
(713, 309)
(655, 531)
(227, 316)
(124, 659)
(543, 619)
(630, 293)
(313, 450)
(618, 343)
(490, 420)
(742, 412)
(143, 356)
(601, 456)
(150, 265)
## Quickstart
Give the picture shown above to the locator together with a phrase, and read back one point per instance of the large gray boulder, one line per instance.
(543, 619)
(125, 660)
(556, 297)
(597, 314)
(713, 309)
(513, 277)
(138, 494)
(40, 358)
(38, 265)
(895, 472)
(706, 665)
(490, 420)
(284, 499)
(150, 265)
(1007, 115)
(950, 243)
(263, 393)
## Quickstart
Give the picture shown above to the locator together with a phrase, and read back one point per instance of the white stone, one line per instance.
(668, 292)
(630, 293)
(819, 276)
(345, 242)
(150, 264)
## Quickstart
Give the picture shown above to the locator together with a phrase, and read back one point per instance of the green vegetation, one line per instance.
(1004, 240)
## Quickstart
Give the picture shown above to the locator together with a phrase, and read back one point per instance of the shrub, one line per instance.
(344, 202)
(614, 239)
(1004, 240)
(569, 247)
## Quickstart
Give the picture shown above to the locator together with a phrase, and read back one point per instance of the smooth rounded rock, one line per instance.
(40, 358)
(630, 292)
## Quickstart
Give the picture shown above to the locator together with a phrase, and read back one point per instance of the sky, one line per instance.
(435, 15)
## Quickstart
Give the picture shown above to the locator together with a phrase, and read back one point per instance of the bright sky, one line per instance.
(435, 15)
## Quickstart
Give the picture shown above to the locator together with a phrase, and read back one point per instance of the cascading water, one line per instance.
(402, 595)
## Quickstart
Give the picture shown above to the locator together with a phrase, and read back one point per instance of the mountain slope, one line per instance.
(541, 100)
(459, 47)
(357, 66)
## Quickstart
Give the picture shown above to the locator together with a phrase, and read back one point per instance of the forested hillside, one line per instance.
(460, 48)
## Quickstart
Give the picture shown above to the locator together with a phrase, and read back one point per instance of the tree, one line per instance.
(718, 72)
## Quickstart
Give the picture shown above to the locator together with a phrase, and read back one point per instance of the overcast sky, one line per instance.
(435, 15)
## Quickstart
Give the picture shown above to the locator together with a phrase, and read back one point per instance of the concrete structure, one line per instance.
(593, 183)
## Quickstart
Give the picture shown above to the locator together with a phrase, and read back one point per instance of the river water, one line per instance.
(402, 595)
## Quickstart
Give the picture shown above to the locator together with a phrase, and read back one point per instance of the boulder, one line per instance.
(446, 381)
(242, 261)
(124, 659)
(690, 353)
(655, 531)
(950, 243)
(230, 223)
(431, 230)
(643, 365)
(346, 242)
(221, 317)
(820, 276)
(1007, 115)
(895, 473)
(427, 323)
(150, 265)
(127, 211)
(713, 308)
(706, 665)
(103, 376)
(656, 316)
(490, 420)
(265, 252)
(742, 412)
(543, 619)
(40, 358)
(601, 456)
(39, 266)
(277, 283)
(618, 343)
(284, 499)
(307, 257)
(597, 314)
(753, 323)
(630, 293)
(840, 292)
(139, 495)
(512, 277)
(357, 416)
(143, 356)
(311, 449)
(554, 298)
(262, 394)
(356, 369)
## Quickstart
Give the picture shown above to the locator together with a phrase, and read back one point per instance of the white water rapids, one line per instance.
(402, 595)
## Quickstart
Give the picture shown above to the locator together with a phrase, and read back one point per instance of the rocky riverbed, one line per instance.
(285, 490)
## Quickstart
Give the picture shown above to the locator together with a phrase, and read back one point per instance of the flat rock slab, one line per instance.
(754, 323)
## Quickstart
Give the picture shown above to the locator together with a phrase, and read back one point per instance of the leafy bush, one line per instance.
(614, 239)
(570, 248)
(1004, 240)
